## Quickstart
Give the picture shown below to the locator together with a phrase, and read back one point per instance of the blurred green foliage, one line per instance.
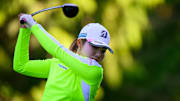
(144, 36)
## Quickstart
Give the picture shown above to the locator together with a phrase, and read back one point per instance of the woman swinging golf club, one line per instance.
(72, 75)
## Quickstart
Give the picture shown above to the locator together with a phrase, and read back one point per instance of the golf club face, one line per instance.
(70, 10)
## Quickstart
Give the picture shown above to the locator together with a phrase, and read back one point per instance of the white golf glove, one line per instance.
(28, 19)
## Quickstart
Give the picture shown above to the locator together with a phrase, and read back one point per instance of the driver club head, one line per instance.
(70, 10)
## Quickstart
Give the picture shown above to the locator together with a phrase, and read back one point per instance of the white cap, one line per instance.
(96, 35)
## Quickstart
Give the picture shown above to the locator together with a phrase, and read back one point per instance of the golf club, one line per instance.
(69, 10)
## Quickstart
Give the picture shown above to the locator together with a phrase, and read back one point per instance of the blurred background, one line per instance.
(145, 37)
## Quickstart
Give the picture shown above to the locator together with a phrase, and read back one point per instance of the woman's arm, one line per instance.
(22, 64)
(87, 68)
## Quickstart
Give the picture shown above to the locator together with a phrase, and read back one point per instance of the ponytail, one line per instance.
(74, 45)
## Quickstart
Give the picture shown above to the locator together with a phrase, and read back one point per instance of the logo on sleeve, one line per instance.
(63, 67)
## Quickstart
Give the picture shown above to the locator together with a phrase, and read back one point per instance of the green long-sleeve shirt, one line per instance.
(70, 77)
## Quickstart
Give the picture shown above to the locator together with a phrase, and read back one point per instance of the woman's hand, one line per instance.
(28, 19)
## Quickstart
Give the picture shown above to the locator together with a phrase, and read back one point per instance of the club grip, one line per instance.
(22, 21)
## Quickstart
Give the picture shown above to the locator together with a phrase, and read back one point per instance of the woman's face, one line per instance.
(86, 49)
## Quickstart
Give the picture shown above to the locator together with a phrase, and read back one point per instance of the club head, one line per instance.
(70, 10)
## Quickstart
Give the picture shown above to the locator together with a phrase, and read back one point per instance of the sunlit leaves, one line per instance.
(13, 28)
(4, 59)
(2, 18)
(86, 6)
(125, 19)
(112, 71)
(62, 36)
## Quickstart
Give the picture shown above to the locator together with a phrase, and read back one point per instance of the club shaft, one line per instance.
(46, 9)
(22, 21)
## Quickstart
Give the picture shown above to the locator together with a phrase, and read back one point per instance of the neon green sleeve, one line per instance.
(22, 64)
(87, 68)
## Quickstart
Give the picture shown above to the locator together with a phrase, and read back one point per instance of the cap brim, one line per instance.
(93, 43)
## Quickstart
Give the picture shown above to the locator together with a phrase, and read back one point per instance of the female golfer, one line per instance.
(72, 75)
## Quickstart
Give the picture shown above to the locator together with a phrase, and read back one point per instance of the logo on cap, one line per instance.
(104, 34)
(82, 35)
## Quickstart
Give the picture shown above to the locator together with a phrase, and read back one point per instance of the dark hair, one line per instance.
(74, 45)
